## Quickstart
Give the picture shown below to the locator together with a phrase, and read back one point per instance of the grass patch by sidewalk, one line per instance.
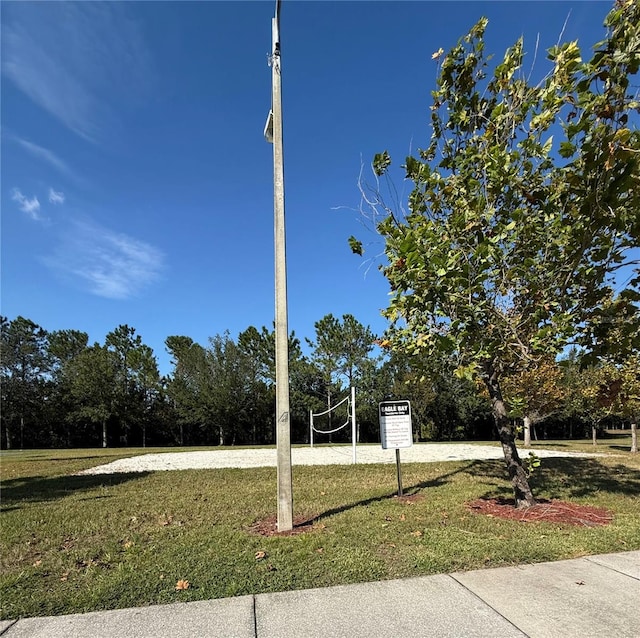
(80, 543)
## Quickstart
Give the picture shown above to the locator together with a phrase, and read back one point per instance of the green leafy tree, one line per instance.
(146, 384)
(597, 394)
(443, 406)
(184, 385)
(259, 349)
(123, 342)
(63, 347)
(535, 393)
(227, 388)
(608, 389)
(629, 396)
(341, 351)
(24, 364)
(505, 251)
(93, 378)
(214, 389)
(326, 358)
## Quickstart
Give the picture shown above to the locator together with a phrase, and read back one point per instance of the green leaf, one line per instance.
(567, 149)
(381, 163)
(355, 245)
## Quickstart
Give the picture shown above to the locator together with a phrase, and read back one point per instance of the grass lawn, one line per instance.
(79, 543)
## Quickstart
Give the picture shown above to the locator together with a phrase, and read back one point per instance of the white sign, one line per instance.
(395, 425)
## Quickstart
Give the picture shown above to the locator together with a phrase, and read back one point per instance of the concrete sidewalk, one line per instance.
(591, 597)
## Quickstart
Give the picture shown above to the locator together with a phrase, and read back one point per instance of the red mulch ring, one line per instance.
(543, 511)
(269, 526)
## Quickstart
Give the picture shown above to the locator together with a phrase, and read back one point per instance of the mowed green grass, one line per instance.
(79, 543)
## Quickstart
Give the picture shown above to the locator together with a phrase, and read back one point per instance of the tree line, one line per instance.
(59, 391)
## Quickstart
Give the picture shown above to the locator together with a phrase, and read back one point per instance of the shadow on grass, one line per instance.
(407, 491)
(536, 444)
(569, 477)
(48, 488)
(74, 458)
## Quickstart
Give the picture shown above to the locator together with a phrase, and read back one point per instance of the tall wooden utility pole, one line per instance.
(273, 133)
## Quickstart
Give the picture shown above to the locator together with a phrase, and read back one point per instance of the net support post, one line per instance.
(353, 422)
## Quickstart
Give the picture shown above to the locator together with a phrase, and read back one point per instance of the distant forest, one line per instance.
(59, 391)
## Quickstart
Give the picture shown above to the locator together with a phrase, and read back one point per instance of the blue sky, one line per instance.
(136, 183)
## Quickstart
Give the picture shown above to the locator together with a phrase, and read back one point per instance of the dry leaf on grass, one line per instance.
(261, 555)
(181, 585)
(416, 533)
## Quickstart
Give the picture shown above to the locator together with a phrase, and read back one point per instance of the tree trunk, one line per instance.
(8, 436)
(144, 435)
(521, 490)
(527, 431)
(594, 435)
(104, 433)
(634, 436)
(21, 432)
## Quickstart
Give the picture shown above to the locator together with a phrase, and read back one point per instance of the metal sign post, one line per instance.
(395, 430)
(399, 471)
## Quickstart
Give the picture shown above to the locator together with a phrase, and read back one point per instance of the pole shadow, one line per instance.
(407, 491)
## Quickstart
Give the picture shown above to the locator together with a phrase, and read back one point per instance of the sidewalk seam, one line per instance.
(6, 629)
(484, 602)
(255, 618)
(613, 569)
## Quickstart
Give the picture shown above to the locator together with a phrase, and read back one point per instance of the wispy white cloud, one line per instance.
(81, 61)
(29, 206)
(106, 263)
(55, 197)
(48, 156)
